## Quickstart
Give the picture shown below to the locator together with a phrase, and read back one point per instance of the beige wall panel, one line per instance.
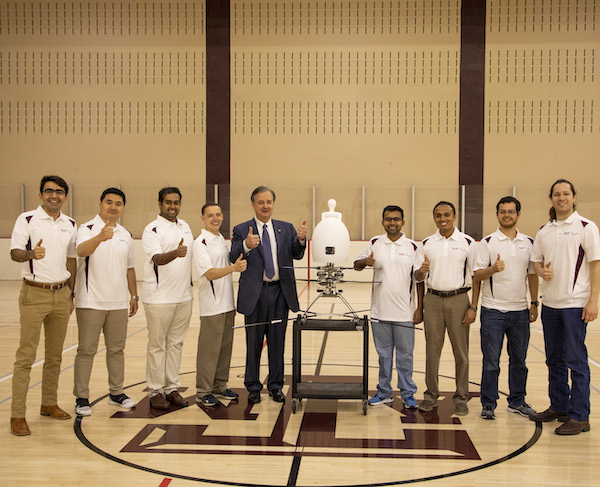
(338, 95)
(104, 94)
(542, 97)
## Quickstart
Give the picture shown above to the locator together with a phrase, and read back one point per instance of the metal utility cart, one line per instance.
(328, 390)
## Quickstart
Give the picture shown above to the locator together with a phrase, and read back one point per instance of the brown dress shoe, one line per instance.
(176, 399)
(54, 412)
(572, 427)
(159, 402)
(549, 415)
(18, 427)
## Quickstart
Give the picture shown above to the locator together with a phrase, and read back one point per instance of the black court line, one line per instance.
(323, 345)
(294, 472)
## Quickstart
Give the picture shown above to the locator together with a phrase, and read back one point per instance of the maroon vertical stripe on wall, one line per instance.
(218, 94)
(472, 109)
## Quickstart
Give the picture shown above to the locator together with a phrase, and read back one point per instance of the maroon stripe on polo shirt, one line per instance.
(87, 271)
(28, 247)
(578, 265)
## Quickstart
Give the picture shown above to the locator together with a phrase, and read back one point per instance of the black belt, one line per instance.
(447, 294)
(44, 285)
(270, 283)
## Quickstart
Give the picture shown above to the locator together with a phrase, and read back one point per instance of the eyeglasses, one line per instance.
(58, 192)
(395, 219)
(507, 212)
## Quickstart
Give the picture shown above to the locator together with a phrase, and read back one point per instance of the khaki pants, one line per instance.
(443, 314)
(114, 325)
(168, 325)
(214, 353)
(37, 306)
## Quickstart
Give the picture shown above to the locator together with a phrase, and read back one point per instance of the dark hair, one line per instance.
(211, 203)
(116, 191)
(261, 189)
(440, 203)
(168, 190)
(560, 181)
(55, 179)
(508, 199)
(392, 208)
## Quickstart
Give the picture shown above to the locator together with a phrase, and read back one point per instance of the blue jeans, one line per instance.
(399, 337)
(564, 337)
(494, 325)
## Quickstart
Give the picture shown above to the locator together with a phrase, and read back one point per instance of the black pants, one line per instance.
(271, 306)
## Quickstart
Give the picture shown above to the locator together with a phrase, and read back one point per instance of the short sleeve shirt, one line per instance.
(58, 238)
(172, 282)
(216, 296)
(102, 276)
(450, 260)
(569, 245)
(393, 276)
(506, 290)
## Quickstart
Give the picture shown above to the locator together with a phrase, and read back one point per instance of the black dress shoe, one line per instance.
(573, 427)
(549, 415)
(253, 397)
(277, 395)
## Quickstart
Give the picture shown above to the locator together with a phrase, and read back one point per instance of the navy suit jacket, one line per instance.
(288, 248)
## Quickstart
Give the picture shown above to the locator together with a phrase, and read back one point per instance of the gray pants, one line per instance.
(90, 323)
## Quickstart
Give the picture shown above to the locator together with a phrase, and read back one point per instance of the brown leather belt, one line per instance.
(44, 285)
(447, 294)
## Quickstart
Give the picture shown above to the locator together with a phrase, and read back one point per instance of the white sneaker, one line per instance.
(121, 400)
(82, 407)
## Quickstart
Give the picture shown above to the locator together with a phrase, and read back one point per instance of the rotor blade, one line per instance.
(395, 323)
(272, 322)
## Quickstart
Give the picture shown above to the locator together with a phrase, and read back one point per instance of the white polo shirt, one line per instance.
(451, 260)
(569, 245)
(102, 276)
(172, 282)
(392, 297)
(506, 290)
(215, 297)
(58, 238)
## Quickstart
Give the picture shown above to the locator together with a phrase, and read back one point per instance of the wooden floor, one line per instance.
(326, 443)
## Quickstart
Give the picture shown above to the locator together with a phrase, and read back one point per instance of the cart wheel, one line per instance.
(365, 404)
(294, 405)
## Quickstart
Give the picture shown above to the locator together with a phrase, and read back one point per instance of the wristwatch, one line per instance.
(474, 308)
(137, 298)
(535, 303)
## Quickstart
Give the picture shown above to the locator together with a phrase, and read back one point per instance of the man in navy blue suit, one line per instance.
(267, 290)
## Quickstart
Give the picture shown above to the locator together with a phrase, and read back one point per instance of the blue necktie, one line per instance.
(268, 254)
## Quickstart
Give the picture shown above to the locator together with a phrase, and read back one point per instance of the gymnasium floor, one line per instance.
(326, 443)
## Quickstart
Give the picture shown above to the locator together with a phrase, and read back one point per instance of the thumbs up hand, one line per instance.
(240, 264)
(181, 249)
(39, 252)
(371, 260)
(498, 265)
(547, 273)
(252, 241)
(302, 231)
(424, 267)
(107, 232)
